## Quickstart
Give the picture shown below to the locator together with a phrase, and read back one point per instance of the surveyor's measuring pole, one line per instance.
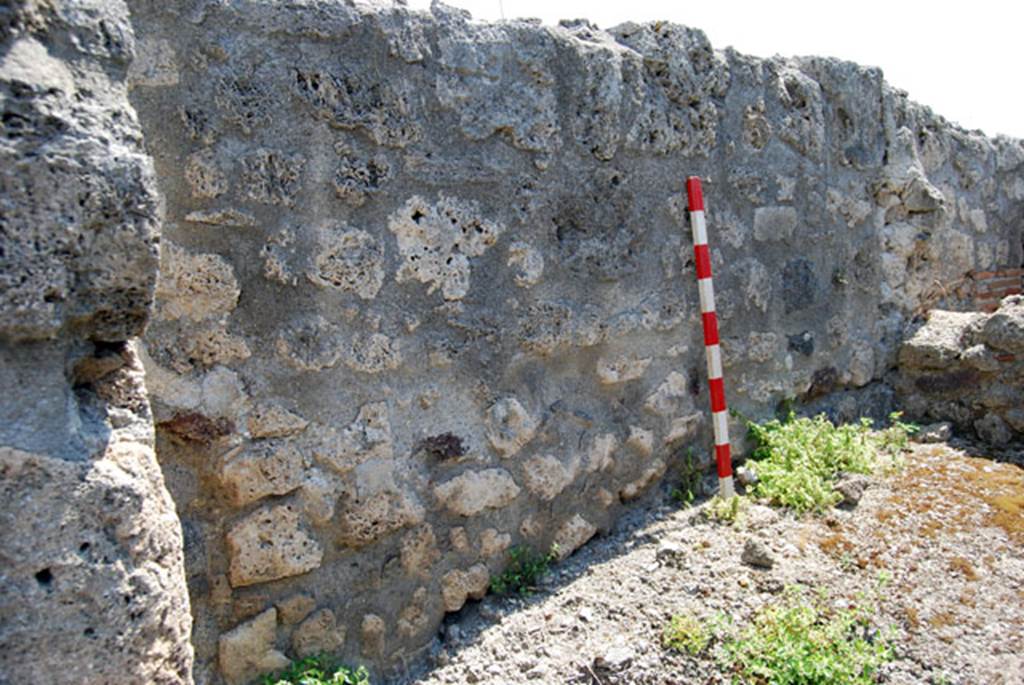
(719, 413)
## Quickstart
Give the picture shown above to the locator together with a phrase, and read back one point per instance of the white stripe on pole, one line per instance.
(700, 229)
(721, 421)
(707, 295)
(714, 357)
(725, 487)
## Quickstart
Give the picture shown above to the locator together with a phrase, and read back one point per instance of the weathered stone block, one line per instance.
(476, 491)
(318, 634)
(247, 651)
(270, 544)
(509, 426)
(457, 586)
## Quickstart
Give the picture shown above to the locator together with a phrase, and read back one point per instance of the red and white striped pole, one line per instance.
(719, 413)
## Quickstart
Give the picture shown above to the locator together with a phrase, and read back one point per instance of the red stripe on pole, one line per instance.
(723, 459)
(702, 256)
(694, 193)
(717, 394)
(710, 328)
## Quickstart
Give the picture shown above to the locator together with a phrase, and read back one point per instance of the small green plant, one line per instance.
(896, 437)
(805, 641)
(524, 571)
(689, 480)
(726, 510)
(317, 670)
(798, 460)
(686, 633)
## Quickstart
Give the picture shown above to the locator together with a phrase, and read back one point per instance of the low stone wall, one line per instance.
(92, 584)
(968, 368)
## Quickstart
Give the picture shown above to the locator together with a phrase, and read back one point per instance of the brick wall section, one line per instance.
(992, 286)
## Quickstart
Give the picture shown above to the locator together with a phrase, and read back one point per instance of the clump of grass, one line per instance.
(317, 670)
(686, 633)
(798, 460)
(804, 641)
(525, 569)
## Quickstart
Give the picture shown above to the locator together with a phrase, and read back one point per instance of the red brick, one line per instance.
(1006, 357)
(982, 275)
(1001, 283)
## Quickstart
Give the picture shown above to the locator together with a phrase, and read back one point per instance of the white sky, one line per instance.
(963, 59)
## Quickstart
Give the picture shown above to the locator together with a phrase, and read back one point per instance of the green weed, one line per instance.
(726, 510)
(805, 641)
(689, 480)
(798, 460)
(686, 634)
(801, 640)
(525, 569)
(317, 670)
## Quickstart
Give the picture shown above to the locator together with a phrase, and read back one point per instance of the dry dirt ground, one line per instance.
(939, 546)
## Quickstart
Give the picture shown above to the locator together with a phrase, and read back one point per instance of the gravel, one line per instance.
(940, 545)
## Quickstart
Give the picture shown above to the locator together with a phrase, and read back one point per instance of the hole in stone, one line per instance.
(84, 547)
(44, 577)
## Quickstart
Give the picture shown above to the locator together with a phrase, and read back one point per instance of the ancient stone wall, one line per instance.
(92, 584)
(968, 368)
(426, 289)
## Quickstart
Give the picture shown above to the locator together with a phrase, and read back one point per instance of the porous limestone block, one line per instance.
(419, 551)
(509, 426)
(621, 369)
(318, 634)
(263, 471)
(651, 474)
(373, 632)
(546, 476)
(459, 585)
(248, 651)
(475, 491)
(572, 535)
(493, 542)
(274, 421)
(270, 544)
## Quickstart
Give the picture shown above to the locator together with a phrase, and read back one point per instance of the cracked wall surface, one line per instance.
(426, 289)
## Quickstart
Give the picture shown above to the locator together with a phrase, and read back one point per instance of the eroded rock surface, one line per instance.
(92, 581)
(967, 369)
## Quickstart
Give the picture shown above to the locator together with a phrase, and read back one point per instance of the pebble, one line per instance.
(756, 554)
(934, 432)
(616, 658)
(746, 477)
(670, 553)
(852, 487)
